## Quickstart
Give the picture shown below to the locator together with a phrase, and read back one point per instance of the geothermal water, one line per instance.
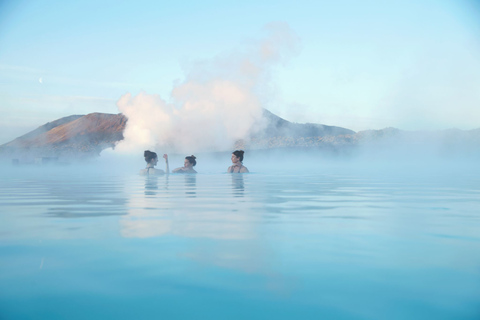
(320, 240)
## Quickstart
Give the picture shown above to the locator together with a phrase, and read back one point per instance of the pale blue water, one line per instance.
(334, 244)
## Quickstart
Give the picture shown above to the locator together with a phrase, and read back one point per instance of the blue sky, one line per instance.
(359, 64)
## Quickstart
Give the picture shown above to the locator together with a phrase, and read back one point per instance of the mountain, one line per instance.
(87, 135)
(45, 128)
(83, 136)
(278, 127)
(73, 136)
(280, 133)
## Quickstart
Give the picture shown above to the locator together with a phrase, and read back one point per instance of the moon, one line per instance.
(40, 80)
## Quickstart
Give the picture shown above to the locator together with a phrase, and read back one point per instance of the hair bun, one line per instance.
(193, 156)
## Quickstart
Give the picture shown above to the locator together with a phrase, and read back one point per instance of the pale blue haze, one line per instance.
(362, 65)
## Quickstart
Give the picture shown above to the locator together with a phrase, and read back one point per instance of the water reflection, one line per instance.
(79, 199)
(238, 185)
(272, 247)
(68, 202)
(190, 185)
(184, 213)
(151, 184)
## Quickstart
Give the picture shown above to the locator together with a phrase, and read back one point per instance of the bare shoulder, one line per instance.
(229, 169)
(244, 170)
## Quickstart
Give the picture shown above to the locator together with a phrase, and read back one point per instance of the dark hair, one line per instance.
(191, 159)
(239, 154)
(149, 155)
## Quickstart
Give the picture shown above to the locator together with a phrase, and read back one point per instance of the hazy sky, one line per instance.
(358, 64)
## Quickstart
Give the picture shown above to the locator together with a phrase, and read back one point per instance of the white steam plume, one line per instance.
(219, 103)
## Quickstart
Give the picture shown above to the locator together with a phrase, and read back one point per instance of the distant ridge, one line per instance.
(84, 136)
(279, 127)
(42, 129)
(73, 136)
(87, 135)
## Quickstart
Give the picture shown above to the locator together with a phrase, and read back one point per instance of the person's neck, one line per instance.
(150, 165)
(238, 164)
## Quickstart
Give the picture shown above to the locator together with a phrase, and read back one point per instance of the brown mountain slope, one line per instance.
(82, 136)
(94, 127)
(40, 130)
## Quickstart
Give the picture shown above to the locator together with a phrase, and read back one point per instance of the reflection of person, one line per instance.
(152, 160)
(190, 185)
(188, 165)
(151, 185)
(237, 167)
(238, 185)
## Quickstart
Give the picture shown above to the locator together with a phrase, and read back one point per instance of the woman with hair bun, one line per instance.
(152, 160)
(237, 167)
(188, 165)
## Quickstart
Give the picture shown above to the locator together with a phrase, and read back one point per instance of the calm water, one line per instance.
(334, 244)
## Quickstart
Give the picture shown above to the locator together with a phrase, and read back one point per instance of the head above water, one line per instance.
(190, 161)
(238, 154)
(150, 156)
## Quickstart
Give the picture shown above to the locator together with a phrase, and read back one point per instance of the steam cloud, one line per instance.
(219, 102)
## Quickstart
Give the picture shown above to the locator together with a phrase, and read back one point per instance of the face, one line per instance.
(187, 164)
(235, 159)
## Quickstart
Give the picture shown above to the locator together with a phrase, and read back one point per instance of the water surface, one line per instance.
(332, 244)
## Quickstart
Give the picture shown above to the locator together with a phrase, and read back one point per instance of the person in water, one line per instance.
(188, 165)
(152, 160)
(237, 167)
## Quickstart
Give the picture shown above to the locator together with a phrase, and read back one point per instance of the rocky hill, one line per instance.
(83, 136)
(279, 127)
(87, 135)
(73, 136)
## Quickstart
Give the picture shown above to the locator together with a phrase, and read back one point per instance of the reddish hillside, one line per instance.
(83, 135)
(103, 128)
(23, 140)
